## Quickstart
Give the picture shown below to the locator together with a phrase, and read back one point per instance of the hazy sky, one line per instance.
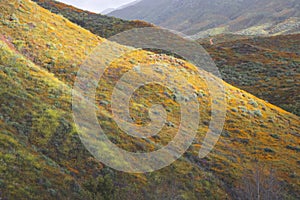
(96, 5)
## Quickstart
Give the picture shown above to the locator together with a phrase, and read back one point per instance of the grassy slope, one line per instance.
(25, 106)
(267, 67)
(101, 25)
(36, 124)
(237, 60)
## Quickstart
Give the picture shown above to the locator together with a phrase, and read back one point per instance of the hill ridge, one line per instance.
(99, 24)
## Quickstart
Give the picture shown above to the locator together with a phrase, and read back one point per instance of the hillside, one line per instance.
(101, 25)
(201, 18)
(267, 67)
(42, 156)
(236, 57)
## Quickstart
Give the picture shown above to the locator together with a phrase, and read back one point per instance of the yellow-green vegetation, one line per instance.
(272, 81)
(24, 99)
(41, 154)
(48, 40)
(238, 62)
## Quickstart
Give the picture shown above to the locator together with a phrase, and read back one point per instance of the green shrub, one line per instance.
(19, 44)
(257, 113)
(234, 110)
(275, 136)
(269, 150)
(297, 149)
(253, 103)
(243, 109)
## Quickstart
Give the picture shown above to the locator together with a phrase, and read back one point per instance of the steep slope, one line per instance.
(276, 74)
(267, 67)
(25, 171)
(43, 158)
(201, 18)
(101, 25)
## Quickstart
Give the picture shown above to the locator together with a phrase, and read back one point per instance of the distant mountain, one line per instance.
(108, 10)
(202, 18)
(128, 4)
(99, 24)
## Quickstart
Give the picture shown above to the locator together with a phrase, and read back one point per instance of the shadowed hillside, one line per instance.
(267, 67)
(42, 156)
(101, 25)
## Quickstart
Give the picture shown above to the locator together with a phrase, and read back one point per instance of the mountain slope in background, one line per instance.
(108, 10)
(268, 67)
(41, 154)
(101, 25)
(200, 18)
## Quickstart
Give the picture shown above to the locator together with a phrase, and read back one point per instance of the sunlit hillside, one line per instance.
(42, 156)
(272, 76)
